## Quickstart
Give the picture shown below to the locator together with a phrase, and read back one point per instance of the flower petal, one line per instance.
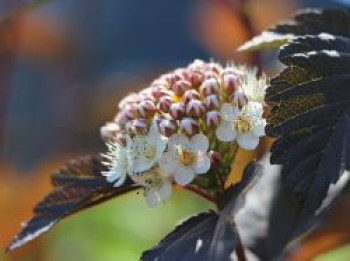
(183, 176)
(203, 164)
(167, 162)
(228, 112)
(120, 181)
(176, 140)
(151, 198)
(259, 129)
(225, 132)
(165, 191)
(248, 141)
(199, 142)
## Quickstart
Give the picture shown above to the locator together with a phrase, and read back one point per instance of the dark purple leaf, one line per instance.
(77, 185)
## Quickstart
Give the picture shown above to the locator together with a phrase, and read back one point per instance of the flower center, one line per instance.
(148, 179)
(243, 124)
(150, 152)
(186, 157)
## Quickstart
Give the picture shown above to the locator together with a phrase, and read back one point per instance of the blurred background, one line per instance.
(64, 65)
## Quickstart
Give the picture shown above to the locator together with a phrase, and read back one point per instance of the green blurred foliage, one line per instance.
(118, 230)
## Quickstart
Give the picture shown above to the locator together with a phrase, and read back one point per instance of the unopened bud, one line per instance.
(190, 95)
(177, 110)
(197, 78)
(180, 87)
(232, 70)
(183, 74)
(209, 86)
(140, 126)
(239, 99)
(212, 118)
(211, 102)
(167, 127)
(146, 108)
(159, 91)
(230, 83)
(130, 111)
(189, 126)
(164, 104)
(209, 74)
(121, 138)
(195, 109)
(214, 67)
(128, 100)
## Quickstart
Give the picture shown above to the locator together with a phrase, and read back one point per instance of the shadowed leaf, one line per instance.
(78, 185)
(310, 107)
(210, 235)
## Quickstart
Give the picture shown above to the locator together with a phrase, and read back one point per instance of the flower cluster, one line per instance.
(170, 131)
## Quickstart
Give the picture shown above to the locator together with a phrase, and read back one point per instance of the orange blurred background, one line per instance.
(63, 67)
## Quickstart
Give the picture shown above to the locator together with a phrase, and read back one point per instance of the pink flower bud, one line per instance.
(130, 111)
(109, 130)
(140, 126)
(177, 110)
(121, 138)
(197, 65)
(180, 87)
(196, 78)
(190, 95)
(164, 104)
(230, 82)
(195, 108)
(209, 86)
(157, 119)
(189, 126)
(209, 74)
(211, 102)
(238, 98)
(130, 99)
(167, 127)
(146, 108)
(212, 118)
(183, 74)
(159, 91)
(232, 70)
(214, 67)
(171, 78)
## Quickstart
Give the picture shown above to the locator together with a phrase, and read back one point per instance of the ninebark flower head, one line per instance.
(169, 132)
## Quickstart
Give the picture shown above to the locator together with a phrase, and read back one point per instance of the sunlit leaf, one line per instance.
(306, 22)
(78, 185)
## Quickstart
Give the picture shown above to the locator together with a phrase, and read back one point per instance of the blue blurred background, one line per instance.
(63, 67)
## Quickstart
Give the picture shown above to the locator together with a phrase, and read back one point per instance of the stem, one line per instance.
(202, 193)
(240, 250)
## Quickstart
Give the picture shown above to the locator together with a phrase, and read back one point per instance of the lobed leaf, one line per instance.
(310, 106)
(77, 185)
(209, 235)
(306, 22)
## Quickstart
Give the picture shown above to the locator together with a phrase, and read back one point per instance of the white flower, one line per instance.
(186, 157)
(116, 164)
(245, 125)
(157, 188)
(143, 151)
